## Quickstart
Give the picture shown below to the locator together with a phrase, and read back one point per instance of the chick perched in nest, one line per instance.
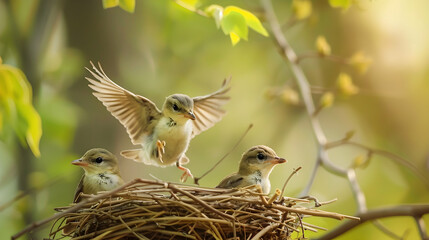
(255, 167)
(101, 174)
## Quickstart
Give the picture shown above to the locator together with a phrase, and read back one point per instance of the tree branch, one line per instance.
(397, 211)
(421, 226)
(305, 89)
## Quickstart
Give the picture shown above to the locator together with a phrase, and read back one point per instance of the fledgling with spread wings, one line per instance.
(164, 135)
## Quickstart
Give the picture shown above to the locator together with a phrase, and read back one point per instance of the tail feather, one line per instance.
(133, 154)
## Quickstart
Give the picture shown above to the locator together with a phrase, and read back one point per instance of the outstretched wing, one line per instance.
(138, 114)
(208, 109)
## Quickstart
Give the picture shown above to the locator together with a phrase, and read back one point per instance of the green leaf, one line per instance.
(235, 25)
(127, 5)
(16, 107)
(110, 3)
(251, 20)
(188, 4)
(234, 38)
(216, 12)
(344, 4)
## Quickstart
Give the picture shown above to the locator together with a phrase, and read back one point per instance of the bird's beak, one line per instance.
(79, 162)
(189, 115)
(277, 160)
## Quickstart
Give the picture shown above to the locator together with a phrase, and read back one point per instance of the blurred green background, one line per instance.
(163, 49)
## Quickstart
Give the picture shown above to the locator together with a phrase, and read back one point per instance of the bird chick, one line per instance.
(101, 172)
(255, 167)
(163, 135)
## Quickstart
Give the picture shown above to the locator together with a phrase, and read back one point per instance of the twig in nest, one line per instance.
(263, 199)
(316, 201)
(328, 202)
(287, 180)
(264, 231)
(201, 202)
(277, 193)
(223, 158)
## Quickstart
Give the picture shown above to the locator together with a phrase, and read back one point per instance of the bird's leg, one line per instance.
(187, 173)
(160, 146)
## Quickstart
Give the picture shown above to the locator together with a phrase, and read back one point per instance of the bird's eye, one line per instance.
(260, 156)
(175, 107)
(99, 160)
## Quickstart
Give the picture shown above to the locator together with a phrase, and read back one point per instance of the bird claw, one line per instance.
(187, 173)
(160, 145)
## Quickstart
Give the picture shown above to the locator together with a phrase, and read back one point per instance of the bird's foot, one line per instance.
(187, 173)
(160, 145)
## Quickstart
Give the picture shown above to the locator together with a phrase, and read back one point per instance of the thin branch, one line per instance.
(333, 58)
(386, 230)
(290, 23)
(399, 160)
(223, 158)
(314, 199)
(395, 158)
(357, 192)
(287, 180)
(305, 89)
(306, 190)
(29, 191)
(421, 226)
(397, 211)
(303, 86)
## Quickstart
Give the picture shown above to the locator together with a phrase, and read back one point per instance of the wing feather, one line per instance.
(78, 190)
(208, 109)
(136, 113)
(232, 181)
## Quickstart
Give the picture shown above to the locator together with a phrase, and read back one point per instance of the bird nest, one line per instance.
(145, 209)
